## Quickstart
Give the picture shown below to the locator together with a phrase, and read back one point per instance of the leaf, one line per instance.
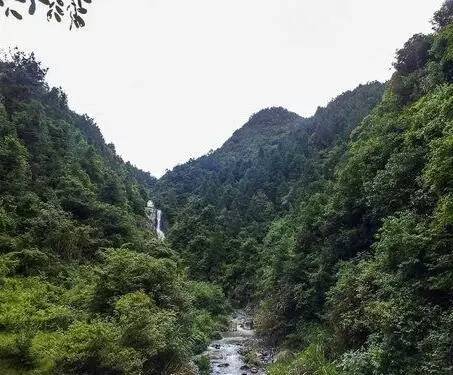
(16, 14)
(80, 20)
(1, 3)
(87, 1)
(57, 17)
(60, 3)
(59, 10)
(7, 12)
(45, 2)
(82, 10)
(32, 8)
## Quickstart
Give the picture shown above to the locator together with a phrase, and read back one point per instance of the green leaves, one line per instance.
(66, 302)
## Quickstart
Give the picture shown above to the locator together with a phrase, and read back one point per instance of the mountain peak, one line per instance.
(272, 116)
(263, 127)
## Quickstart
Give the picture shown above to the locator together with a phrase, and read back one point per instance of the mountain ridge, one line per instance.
(335, 231)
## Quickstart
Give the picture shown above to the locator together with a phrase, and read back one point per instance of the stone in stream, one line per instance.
(215, 357)
(227, 354)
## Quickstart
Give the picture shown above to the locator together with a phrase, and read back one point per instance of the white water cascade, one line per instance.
(155, 218)
(159, 230)
(227, 354)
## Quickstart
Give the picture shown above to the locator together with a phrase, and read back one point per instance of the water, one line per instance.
(159, 230)
(226, 354)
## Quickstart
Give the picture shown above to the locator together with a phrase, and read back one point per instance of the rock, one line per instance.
(217, 336)
(244, 368)
(217, 346)
(254, 370)
(223, 365)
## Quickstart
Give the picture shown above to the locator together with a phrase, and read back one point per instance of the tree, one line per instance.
(444, 16)
(58, 10)
(414, 55)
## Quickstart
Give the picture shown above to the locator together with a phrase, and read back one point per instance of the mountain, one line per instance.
(86, 287)
(220, 206)
(336, 231)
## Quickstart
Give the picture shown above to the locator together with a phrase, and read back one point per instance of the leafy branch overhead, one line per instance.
(56, 10)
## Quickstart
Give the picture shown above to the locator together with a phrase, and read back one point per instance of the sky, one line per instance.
(169, 80)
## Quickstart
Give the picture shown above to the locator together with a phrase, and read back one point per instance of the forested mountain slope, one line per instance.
(221, 205)
(85, 285)
(339, 228)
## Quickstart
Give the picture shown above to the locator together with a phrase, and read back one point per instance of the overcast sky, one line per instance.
(167, 80)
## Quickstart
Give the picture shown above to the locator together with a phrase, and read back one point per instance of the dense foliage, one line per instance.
(221, 205)
(338, 227)
(85, 285)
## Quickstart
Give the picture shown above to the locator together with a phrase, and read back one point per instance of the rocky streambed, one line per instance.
(228, 355)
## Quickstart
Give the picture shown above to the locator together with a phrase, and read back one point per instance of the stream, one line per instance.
(226, 354)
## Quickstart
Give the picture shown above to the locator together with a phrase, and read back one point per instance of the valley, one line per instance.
(303, 245)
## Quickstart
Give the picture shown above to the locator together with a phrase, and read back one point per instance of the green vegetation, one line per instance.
(339, 224)
(221, 206)
(86, 287)
(337, 228)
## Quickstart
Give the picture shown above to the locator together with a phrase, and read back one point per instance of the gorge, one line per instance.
(334, 232)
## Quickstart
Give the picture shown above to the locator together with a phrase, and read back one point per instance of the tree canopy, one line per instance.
(337, 229)
(86, 287)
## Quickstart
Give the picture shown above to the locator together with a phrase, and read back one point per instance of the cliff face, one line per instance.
(156, 219)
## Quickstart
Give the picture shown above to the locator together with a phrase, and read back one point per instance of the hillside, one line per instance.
(220, 206)
(335, 231)
(86, 287)
(336, 228)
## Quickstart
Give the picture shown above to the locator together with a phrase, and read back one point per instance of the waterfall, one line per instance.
(159, 231)
(155, 219)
